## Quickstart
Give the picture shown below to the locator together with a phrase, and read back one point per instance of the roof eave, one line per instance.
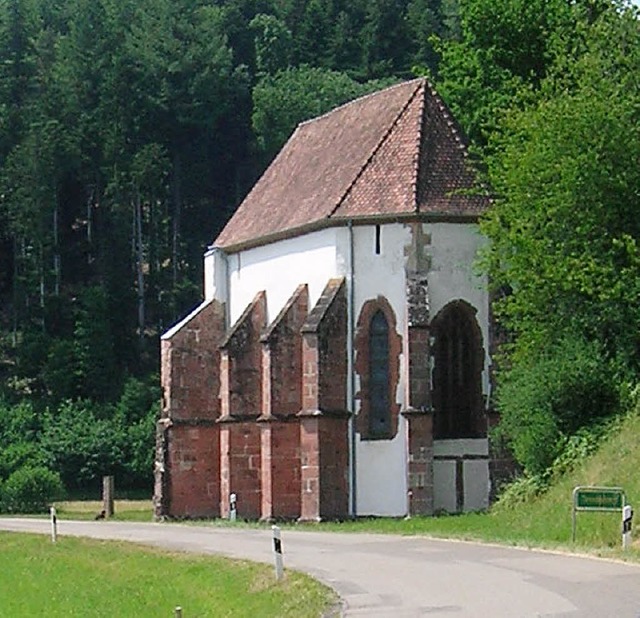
(341, 221)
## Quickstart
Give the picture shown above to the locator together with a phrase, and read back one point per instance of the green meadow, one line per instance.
(79, 577)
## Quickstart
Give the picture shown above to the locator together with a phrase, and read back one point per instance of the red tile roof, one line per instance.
(394, 153)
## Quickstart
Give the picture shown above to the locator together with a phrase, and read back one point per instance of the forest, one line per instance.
(130, 130)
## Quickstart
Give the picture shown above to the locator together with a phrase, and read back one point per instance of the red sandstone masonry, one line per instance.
(282, 357)
(242, 362)
(240, 466)
(187, 479)
(241, 394)
(281, 474)
(193, 461)
(419, 418)
(420, 464)
(419, 361)
(190, 362)
(281, 400)
(323, 419)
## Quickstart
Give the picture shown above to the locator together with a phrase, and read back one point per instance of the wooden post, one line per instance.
(107, 495)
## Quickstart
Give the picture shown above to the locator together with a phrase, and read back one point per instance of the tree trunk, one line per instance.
(139, 266)
(56, 251)
(177, 213)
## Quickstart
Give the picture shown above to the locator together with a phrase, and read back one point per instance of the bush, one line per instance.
(547, 398)
(19, 422)
(19, 455)
(140, 451)
(520, 491)
(31, 490)
(81, 446)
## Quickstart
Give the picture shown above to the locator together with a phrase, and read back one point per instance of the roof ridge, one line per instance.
(420, 141)
(451, 122)
(359, 99)
(379, 144)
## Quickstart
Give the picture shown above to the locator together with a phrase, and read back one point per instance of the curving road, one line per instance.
(390, 576)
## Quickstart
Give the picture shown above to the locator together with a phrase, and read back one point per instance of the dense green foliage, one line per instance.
(80, 440)
(129, 131)
(30, 490)
(563, 230)
(553, 394)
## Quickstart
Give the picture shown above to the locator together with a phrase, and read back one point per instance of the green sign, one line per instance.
(590, 498)
(599, 498)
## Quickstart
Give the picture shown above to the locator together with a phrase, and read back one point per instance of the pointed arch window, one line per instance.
(380, 411)
(457, 376)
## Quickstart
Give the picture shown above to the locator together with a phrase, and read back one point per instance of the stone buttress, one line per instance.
(241, 404)
(257, 411)
(418, 412)
(187, 480)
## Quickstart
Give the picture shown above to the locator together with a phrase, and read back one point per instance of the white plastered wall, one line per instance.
(454, 249)
(380, 464)
(279, 268)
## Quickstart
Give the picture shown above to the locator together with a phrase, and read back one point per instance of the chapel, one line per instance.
(339, 365)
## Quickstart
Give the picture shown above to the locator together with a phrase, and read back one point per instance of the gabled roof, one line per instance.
(393, 154)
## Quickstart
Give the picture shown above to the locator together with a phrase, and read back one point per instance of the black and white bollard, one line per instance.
(178, 612)
(277, 551)
(627, 518)
(232, 507)
(54, 524)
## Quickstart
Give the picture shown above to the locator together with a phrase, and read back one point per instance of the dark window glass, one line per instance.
(457, 375)
(380, 413)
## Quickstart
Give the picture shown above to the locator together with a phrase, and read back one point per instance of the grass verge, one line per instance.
(81, 577)
(124, 510)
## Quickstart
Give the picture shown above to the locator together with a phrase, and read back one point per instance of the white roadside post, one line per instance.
(54, 524)
(232, 507)
(277, 551)
(627, 517)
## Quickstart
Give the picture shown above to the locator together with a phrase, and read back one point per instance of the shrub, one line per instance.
(520, 491)
(140, 451)
(19, 455)
(31, 490)
(81, 446)
(19, 422)
(550, 396)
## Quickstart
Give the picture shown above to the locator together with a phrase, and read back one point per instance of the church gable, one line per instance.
(387, 183)
(446, 179)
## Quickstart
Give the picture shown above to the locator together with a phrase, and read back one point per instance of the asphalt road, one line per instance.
(397, 577)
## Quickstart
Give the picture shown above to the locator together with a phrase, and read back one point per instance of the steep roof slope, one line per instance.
(394, 153)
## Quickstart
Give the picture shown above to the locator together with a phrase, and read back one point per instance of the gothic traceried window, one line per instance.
(377, 364)
(380, 415)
